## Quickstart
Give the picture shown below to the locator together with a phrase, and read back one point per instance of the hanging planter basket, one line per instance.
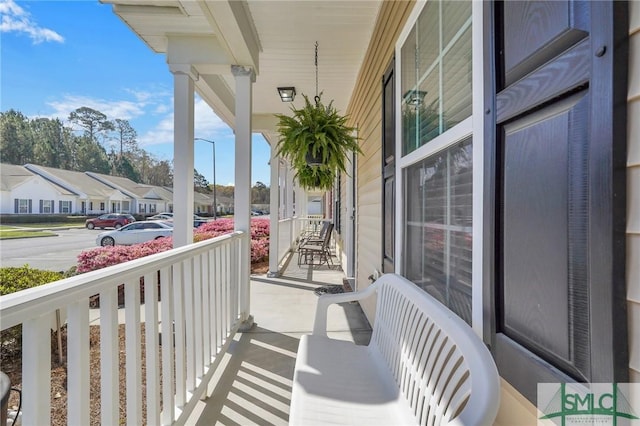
(313, 160)
(317, 142)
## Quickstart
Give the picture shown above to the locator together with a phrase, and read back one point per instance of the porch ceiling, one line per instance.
(277, 38)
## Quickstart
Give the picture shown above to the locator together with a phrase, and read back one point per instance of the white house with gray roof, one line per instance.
(148, 199)
(93, 196)
(24, 192)
(39, 189)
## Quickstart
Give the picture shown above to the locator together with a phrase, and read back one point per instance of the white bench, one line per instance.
(424, 365)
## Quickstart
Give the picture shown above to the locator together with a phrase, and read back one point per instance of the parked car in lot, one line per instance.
(109, 220)
(197, 220)
(162, 216)
(134, 233)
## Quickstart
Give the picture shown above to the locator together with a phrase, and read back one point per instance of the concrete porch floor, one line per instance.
(253, 385)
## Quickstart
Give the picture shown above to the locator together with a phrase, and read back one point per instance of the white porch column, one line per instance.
(300, 208)
(289, 203)
(183, 123)
(274, 206)
(289, 191)
(244, 77)
(282, 180)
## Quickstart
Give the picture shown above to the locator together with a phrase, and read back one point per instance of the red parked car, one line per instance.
(110, 220)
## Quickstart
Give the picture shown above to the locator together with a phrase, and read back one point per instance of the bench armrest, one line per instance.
(320, 322)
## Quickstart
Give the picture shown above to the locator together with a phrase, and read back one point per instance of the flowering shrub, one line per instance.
(259, 250)
(102, 257)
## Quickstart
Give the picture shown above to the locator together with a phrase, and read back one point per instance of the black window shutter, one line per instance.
(60, 207)
(30, 206)
(16, 205)
(41, 205)
(560, 306)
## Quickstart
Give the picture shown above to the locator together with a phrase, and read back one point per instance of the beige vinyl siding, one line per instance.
(633, 192)
(365, 111)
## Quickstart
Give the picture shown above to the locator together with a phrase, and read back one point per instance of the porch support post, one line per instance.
(289, 205)
(244, 77)
(300, 204)
(289, 189)
(282, 180)
(183, 123)
(274, 216)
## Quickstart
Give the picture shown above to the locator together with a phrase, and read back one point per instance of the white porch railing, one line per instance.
(286, 237)
(199, 313)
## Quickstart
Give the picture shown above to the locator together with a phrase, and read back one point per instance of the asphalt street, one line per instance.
(57, 253)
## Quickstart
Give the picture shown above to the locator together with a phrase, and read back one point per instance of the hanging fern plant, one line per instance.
(316, 131)
(317, 141)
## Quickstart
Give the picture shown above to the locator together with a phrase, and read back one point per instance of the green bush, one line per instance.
(23, 277)
(12, 280)
(9, 219)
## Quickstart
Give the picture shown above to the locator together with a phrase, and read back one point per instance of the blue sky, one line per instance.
(57, 56)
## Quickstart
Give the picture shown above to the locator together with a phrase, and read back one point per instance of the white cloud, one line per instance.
(206, 123)
(161, 133)
(122, 109)
(161, 109)
(16, 19)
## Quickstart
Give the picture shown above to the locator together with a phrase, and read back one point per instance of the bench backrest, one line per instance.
(440, 365)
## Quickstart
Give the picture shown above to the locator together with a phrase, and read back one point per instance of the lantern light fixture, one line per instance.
(287, 94)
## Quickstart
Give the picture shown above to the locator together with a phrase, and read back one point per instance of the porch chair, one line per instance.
(314, 236)
(308, 250)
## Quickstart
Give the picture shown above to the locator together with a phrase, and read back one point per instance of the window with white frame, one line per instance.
(125, 206)
(22, 205)
(101, 206)
(436, 73)
(65, 206)
(46, 206)
(436, 153)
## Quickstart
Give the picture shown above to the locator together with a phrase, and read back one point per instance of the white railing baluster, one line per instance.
(224, 296)
(36, 371)
(133, 352)
(168, 389)
(206, 312)
(238, 276)
(207, 286)
(152, 354)
(109, 357)
(190, 358)
(179, 327)
(197, 315)
(78, 363)
(218, 304)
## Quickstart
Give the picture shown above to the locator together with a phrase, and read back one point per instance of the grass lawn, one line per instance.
(44, 225)
(8, 232)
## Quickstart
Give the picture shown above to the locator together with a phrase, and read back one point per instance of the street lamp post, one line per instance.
(215, 202)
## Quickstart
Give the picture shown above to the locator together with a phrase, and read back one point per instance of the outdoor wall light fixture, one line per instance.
(287, 94)
(414, 98)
